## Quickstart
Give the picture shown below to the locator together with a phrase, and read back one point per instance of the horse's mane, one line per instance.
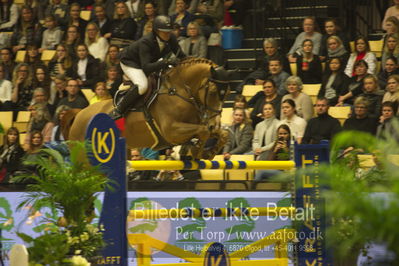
(190, 61)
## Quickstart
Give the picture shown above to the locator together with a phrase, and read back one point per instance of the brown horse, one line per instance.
(184, 112)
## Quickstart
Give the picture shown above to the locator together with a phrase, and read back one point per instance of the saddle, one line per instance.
(145, 100)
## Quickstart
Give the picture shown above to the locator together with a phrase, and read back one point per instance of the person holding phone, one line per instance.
(279, 151)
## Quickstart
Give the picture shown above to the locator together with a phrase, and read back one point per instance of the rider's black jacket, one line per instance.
(145, 53)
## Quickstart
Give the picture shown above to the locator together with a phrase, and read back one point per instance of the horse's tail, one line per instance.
(67, 121)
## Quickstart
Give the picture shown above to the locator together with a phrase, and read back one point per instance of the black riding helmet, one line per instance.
(162, 23)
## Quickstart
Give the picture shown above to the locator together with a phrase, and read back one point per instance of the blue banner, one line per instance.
(108, 150)
(311, 248)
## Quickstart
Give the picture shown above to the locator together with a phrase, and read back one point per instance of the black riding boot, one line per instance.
(124, 104)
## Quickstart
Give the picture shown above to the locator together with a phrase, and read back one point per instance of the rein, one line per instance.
(202, 107)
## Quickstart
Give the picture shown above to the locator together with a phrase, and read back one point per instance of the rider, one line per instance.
(144, 57)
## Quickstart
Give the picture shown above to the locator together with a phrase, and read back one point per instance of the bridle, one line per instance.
(205, 112)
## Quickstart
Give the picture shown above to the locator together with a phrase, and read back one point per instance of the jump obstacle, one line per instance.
(108, 149)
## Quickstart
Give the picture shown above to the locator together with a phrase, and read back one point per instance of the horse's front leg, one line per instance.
(219, 138)
(182, 133)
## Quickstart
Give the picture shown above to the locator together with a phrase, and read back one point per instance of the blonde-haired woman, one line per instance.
(392, 89)
(240, 135)
(303, 103)
(123, 26)
(98, 46)
(40, 120)
(336, 49)
(196, 44)
(61, 62)
(391, 47)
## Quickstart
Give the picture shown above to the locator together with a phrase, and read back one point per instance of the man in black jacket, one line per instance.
(142, 58)
(322, 127)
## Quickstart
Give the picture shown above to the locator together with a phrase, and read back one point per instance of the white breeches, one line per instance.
(136, 76)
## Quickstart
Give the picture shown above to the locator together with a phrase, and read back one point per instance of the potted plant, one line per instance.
(362, 205)
(69, 186)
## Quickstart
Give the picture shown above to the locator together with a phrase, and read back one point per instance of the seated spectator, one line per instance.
(391, 48)
(389, 68)
(8, 63)
(196, 44)
(74, 99)
(391, 27)
(11, 154)
(183, 18)
(303, 103)
(308, 64)
(41, 79)
(274, 72)
(373, 94)
(71, 40)
(209, 14)
(98, 46)
(392, 11)
(38, 8)
(337, 50)
(8, 16)
(32, 58)
(58, 90)
(332, 28)
(296, 124)
(279, 152)
(386, 127)
(268, 95)
(112, 56)
(61, 63)
(240, 135)
(309, 32)
(41, 96)
(101, 93)
(33, 151)
(101, 20)
(85, 69)
(361, 120)
(5, 90)
(59, 10)
(362, 52)
(355, 87)
(334, 82)
(56, 133)
(22, 91)
(52, 35)
(322, 127)
(271, 50)
(241, 102)
(136, 9)
(114, 80)
(40, 120)
(27, 31)
(192, 7)
(389, 21)
(265, 133)
(144, 26)
(123, 26)
(134, 175)
(74, 19)
(392, 90)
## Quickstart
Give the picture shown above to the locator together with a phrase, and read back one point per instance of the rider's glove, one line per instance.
(172, 61)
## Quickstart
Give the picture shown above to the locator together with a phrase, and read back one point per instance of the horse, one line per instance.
(185, 111)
